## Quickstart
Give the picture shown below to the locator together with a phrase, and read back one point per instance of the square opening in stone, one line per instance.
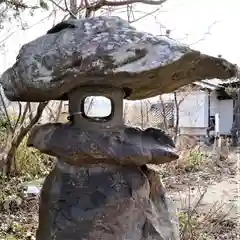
(98, 108)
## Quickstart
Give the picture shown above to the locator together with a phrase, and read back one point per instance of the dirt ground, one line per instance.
(213, 192)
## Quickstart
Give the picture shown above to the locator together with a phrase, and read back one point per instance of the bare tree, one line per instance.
(18, 137)
(163, 113)
(234, 92)
(18, 128)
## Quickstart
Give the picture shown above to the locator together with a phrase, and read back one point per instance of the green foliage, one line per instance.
(189, 227)
(10, 237)
(31, 163)
(4, 123)
(195, 160)
(185, 221)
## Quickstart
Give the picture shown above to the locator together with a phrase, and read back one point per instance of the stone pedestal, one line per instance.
(105, 202)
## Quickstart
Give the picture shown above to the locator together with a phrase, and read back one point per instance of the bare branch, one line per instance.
(30, 112)
(6, 113)
(19, 116)
(18, 4)
(24, 113)
(125, 2)
(73, 7)
(59, 110)
(177, 117)
(208, 32)
(58, 5)
(94, 7)
(22, 133)
(68, 10)
(89, 9)
(163, 113)
(145, 15)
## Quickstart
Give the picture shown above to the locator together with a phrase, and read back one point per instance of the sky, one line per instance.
(208, 26)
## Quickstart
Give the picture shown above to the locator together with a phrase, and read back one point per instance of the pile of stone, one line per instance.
(105, 184)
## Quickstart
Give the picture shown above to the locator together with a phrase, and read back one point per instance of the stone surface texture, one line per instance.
(125, 146)
(105, 202)
(105, 50)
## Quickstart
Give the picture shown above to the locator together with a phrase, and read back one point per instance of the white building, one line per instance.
(205, 103)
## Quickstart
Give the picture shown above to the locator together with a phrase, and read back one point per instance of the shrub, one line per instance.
(195, 160)
(31, 163)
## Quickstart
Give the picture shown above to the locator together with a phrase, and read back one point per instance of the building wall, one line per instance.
(193, 113)
(225, 110)
(193, 109)
(225, 116)
(214, 103)
(192, 131)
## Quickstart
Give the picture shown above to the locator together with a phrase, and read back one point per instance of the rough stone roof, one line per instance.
(106, 50)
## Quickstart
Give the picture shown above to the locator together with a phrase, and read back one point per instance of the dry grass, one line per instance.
(196, 224)
(18, 219)
(18, 212)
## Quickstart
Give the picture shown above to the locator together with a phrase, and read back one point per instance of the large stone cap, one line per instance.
(106, 51)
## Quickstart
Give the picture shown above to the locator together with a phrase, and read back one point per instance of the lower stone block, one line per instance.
(105, 202)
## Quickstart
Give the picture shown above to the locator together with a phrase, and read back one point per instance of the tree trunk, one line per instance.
(177, 118)
(164, 114)
(73, 7)
(236, 119)
(16, 141)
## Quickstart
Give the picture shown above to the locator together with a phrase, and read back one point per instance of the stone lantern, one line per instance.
(105, 184)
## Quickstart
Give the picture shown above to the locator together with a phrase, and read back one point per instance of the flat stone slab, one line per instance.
(125, 146)
(106, 51)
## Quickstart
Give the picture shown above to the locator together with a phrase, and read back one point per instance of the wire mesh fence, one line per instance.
(149, 114)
